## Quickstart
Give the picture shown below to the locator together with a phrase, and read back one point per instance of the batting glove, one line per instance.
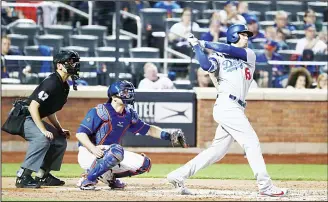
(192, 39)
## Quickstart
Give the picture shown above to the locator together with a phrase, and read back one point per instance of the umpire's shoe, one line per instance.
(49, 180)
(116, 184)
(26, 181)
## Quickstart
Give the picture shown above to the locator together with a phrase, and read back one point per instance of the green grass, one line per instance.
(216, 171)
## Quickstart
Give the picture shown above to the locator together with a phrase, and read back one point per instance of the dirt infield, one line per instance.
(146, 189)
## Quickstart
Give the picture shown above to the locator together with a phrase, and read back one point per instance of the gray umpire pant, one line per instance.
(43, 152)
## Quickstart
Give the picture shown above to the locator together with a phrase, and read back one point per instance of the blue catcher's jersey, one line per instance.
(105, 126)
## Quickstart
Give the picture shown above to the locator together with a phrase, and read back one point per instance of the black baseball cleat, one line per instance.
(26, 181)
(49, 180)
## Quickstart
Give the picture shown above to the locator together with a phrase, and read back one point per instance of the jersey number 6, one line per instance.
(247, 74)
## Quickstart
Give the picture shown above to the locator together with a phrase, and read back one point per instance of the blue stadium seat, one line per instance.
(88, 41)
(18, 40)
(63, 30)
(125, 42)
(95, 30)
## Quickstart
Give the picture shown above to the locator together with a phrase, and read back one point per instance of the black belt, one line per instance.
(240, 102)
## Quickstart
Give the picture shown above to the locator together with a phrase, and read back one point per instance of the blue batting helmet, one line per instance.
(123, 90)
(234, 30)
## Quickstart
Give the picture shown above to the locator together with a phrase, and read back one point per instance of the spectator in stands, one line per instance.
(28, 77)
(270, 53)
(310, 41)
(182, 28)
(253, 26)
(27, 12)
(270, 33)
(152, 80)
(310, 18)
(10, 65)
(242, 8)
(322, 81)
(299, 78)
(9, 15)
(167, 5)
(281, 22)
(214, 32)
(230, 15)
(281, 39)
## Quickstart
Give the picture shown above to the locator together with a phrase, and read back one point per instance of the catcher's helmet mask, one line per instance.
(234, 31)
(123, 90)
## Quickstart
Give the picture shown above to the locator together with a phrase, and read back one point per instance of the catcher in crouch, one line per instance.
(99, 134)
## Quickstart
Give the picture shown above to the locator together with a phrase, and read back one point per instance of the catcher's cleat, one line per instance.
(26, 181)
(179, 185)
(116, 184)
(274, 192)
(88, 185)
(49, 180)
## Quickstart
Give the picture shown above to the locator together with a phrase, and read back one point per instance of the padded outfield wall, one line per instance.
(291, 124)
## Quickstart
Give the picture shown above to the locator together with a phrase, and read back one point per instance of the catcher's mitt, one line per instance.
(177, 137)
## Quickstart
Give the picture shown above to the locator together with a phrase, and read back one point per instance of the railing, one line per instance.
(56, 3)
(139, 26)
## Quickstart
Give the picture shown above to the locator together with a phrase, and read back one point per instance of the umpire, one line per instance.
(47, 143)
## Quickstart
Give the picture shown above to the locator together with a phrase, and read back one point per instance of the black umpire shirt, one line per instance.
(51, 94)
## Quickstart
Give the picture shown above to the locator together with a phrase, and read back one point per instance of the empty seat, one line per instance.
(154, 17)
(300, 16)
(85, 66)
(183, 84)
(218, 5)
(203, 23)
(292, 43)
(290, 6)
(27, 29)
(198, 32)
(88, 41)
(271, 15)
(125, 42)
(198, 5)
(39, 66)
(111, 52)
(207, 14)
(298, 34)
(54, 41)
(63, 30)
(177, 13)
(18, 40)
(261, 6)
(95, 30)
(287, 54)
(89, 77)
(299, 25)
(321, 57)
(317, 6)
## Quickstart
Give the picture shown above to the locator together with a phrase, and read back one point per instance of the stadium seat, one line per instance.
(18, 40)
(261, 6)
(4, 30)
(292, 43)
(154, 17)
(63, 30)
(259, 43)
(198, 5)
(207, 14)
(125, 42)
(88, 41)
(318, 7)
(54, 41)
(300, 16)
(223, 39)
(321, 57)
(218, 5)
(198, 32)
(271, 15)
(142, 52)
(85, 66)
(298, 34)
(287, 54)
(27, 29)
(290, 6)
(177, 13)
(264, 24)
(111, 52)
(183, 84)
(89, 77)
(37, 65)
(95, 30)
(299, 25)
(203, 23)
(170, 22)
